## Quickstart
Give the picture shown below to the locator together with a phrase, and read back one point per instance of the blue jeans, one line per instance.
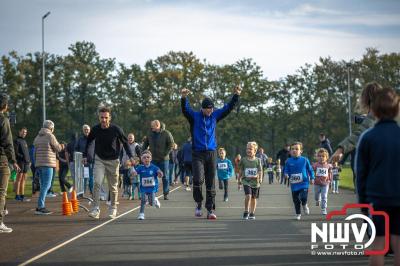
(147, 196)
(135, 186)
(46, 176)
(321, 194)
(171, 168)
(164, 167)
(335, 185)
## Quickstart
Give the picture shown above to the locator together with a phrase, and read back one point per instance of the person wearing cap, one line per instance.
(203, 125)
(7, 155)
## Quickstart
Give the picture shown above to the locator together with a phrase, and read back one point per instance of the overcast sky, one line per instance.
(280, 35)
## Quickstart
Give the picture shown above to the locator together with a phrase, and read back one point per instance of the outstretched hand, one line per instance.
(237, 90)
(185, 92)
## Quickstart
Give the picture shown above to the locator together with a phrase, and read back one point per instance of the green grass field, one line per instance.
(346, 178)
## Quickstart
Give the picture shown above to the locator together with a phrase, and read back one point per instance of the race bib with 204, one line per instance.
(148, 181)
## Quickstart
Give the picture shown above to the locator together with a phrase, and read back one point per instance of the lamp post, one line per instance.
(349, 95)
(43, 72)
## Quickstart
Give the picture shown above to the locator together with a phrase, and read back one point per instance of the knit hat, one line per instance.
(207, 103)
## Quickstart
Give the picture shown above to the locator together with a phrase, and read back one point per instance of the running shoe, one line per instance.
(226, 199)
(42, 211)
(141, 216)
(245, 216)
(252, 216)
(317, 203)
(306, 210)
(112, 213)
(188, 188)
(5, 229)
(298, 216)
(94, 213)
(197, 212)
(211, 216)
(157, 203)
(324, 212)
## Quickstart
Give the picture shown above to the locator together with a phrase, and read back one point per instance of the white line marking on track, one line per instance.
(82, 234)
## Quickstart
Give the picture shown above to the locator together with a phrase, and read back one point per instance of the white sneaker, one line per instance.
(112, 213)
(108, 203)
(5, 229)
(5, 212)
(94, 213)
(188, 188)
(157, 203)
(324, 212)
(298, 216)
(141, 216)
(306, 210)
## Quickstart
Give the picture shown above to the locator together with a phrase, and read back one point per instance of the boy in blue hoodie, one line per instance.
(149, 174)
(224, 171)
(298, 171)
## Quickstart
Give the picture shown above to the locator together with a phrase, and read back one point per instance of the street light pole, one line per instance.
(43, 71)
(349, 95)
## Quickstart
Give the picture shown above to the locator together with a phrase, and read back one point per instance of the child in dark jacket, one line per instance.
(378, 172)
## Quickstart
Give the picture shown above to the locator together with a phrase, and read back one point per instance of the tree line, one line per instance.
(271, 112)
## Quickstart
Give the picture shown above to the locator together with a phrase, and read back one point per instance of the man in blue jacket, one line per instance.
(203, 125)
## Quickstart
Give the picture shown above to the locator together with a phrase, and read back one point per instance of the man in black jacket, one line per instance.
(325, 143)
(23, 161)
(109, 140)
(7, 155)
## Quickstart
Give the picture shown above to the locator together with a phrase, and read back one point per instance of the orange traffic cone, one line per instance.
(74, 201)
(66, 205)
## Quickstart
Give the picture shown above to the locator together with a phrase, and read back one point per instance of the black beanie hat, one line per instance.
(207, 103)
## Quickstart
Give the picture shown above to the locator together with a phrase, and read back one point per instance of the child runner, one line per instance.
(323, 177)
(278, 171)
(237, 168)
(298, 171)
(148, 174)
(134, 178)
(336, 169)
(250, 177)
(224, 171)
(270, 170)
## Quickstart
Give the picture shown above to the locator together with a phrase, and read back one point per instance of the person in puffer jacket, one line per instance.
(46, 148)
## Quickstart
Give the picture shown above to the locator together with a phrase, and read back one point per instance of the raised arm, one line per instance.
(224, 111)
(185, 106)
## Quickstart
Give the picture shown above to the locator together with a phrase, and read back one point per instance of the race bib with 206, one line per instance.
(250, 172)
(296, 178)
(148, 181)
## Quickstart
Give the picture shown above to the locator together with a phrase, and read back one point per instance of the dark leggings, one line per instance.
(62, 173)
(223, 184)
(299, 197)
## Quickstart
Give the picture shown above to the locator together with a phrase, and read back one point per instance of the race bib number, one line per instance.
(269, 169)
(148, 181)
(250, 172)
(323, 172)
(222, 166)
(296, 178)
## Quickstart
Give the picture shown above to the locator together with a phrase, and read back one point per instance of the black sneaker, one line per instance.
(252, 216)
(245, 216)
(166, 197)
(42, 211)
